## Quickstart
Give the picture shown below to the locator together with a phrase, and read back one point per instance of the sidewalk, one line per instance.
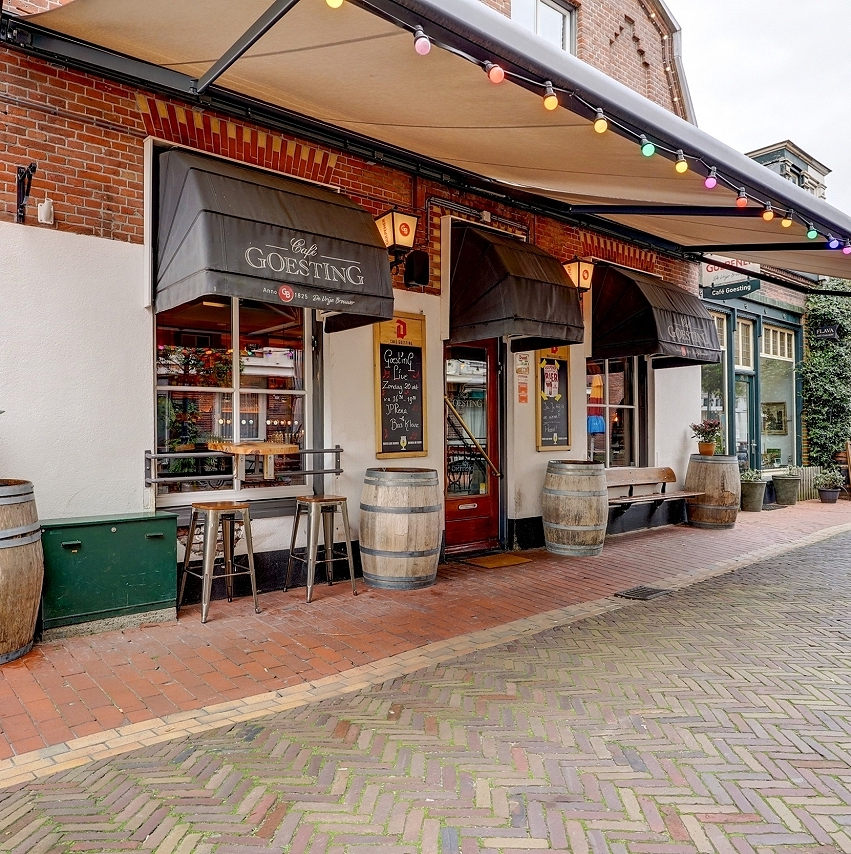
(97, 687)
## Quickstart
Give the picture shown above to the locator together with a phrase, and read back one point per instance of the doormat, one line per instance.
(643, 593)
(497, 561)
(774, 506)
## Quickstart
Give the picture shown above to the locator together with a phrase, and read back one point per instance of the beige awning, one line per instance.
(355, 69)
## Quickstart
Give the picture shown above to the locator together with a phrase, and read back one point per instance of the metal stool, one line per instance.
(324, 506)
(215, 512)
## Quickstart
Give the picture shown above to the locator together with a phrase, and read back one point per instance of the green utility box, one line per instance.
(108, 567)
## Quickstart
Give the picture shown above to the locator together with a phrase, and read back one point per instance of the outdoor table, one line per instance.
(268, 450)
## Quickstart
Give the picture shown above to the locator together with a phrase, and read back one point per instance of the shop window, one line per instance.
(743, 345)
(551, 20)
(613, 411)
(714, 384)
(200, 374)
(778, 439)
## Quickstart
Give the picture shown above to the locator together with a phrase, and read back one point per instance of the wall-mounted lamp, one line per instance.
(25, 179)
(398, 231)
(580, 271)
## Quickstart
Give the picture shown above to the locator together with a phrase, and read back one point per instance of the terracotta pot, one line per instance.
(706, 449)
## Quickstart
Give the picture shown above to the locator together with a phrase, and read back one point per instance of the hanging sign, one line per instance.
(826, 332)
(551, 398)
(733, 290)
(712, 275)
(400, 416)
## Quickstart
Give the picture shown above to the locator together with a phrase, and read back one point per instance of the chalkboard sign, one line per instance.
(400, 387)
(553, 409)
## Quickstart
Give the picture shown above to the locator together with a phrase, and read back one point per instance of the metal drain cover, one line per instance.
(642, 593)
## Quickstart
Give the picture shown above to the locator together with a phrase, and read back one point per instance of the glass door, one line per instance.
(746, 439)
(472, 447)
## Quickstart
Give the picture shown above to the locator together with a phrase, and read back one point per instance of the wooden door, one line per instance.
(472, 446)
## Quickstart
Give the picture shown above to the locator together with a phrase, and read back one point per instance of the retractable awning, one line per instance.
(501, 286)
(354, 70)
(636, 315)
(225, 229)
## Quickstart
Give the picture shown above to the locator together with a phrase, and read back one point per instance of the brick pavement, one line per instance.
(714, 719)
(83, 686)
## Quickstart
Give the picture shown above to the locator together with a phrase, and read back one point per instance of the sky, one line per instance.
(763, 71)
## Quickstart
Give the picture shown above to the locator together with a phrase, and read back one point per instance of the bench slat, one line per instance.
(654, 497)
(632, 476)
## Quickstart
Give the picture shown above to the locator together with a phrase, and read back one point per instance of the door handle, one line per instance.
(73, 545)
(157, 535)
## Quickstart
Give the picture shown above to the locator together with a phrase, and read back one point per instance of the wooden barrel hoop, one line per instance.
(718, 478)
(400, 528)
(21, 568)
(575, 508)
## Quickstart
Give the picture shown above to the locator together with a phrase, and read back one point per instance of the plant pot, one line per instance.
(828, 496)
(753, 493)
(786, 489)
(706, 449)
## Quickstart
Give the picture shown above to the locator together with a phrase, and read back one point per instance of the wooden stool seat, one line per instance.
(320, 508)
(215, 513)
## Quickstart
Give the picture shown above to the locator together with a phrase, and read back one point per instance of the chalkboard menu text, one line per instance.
(553, 421)
(400, 387)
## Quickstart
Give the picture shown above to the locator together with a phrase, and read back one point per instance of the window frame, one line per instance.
(569, 12)
(637, 408)
(738, 363)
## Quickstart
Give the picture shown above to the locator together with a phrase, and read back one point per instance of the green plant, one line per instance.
(829, 479)
(791, 471)
(707, 431)
(751, 475)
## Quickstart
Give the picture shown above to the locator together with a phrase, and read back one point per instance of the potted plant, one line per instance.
(753, 490)
(829, 483)
(708, 435)
(786, 486)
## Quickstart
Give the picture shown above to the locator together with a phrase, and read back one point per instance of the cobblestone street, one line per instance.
(716, 718)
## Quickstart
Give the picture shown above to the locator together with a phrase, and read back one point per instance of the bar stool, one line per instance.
(321, 507)
(214, 513)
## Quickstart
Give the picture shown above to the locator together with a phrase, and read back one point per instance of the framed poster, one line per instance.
(774, 420)
(400, 387)
(552, 421)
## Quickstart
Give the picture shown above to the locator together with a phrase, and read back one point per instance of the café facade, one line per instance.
(335, 241)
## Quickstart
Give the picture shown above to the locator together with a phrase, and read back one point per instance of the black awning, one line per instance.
(637, 315)
(230, 230)
(503, 286)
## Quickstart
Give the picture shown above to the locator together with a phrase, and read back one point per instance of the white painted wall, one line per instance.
(676, 396)
(76, 370)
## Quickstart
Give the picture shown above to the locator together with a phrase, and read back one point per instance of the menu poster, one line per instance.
(551, 398)
(400, 410)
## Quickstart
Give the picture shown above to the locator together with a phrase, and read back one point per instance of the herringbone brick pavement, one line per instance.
(716, 719)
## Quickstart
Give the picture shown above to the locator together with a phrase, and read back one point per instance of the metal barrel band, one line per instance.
(372, 508)
(408, 582)
(20, 498)
(389, 554)
(20, 541)
(574, 527)
(6, 657)
(400, 481)
(9, 533)
(581, 494)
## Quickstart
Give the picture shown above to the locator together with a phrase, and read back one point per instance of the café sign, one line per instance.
(732, 289)
(826, 332)
(712, 275)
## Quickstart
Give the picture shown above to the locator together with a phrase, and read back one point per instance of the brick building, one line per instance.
(151, 156)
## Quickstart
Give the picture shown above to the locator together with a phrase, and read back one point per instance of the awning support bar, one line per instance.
(252, 35)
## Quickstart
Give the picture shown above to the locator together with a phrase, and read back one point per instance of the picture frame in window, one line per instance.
(774, 420)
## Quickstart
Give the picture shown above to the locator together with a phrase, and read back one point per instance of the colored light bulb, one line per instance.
(601, 123)
(711, 180)
(334, 4)
(422, 43)
(494, 72)
(768, 213)
(786, 222)
(742, 200)
(832, 242)
(550, 97)
(812, 234)
(647, 147)
(682, 164)
(846, 249)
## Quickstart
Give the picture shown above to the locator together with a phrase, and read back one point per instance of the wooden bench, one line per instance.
(657, 478)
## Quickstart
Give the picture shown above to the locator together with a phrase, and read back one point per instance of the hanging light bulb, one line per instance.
(812, 233)
(601, 123)
(422, 43)
(768, 212)
(846, 249)
(786, 222)
(682, 164)
(711, 180)
(550, 97)
(494, 72)
(832, 242)
(647, 147)
(334, 4)
(742, 200)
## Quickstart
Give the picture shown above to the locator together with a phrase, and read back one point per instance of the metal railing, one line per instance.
(152, 475)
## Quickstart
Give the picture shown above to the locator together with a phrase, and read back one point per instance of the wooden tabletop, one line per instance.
(246, 448)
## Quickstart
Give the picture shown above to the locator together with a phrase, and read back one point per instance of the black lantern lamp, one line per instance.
(25, 179)
(580, 271)
(398, 231)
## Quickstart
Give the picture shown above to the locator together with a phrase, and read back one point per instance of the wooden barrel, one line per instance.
(400, 527)
(718, 478)
(575, 507)
(21, 568)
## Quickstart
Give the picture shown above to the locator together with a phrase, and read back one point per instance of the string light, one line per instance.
(786, 222)
(832, 242)
(494, 72)
(812, 234)
(768, 212)
(648, 149)
(711, 180)
(846, 249)
(334, 4)
(422, 43)
(682, 164)
(742, 200)
(601, 123)
(550, 97)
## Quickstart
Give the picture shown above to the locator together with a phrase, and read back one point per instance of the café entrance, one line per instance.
(471, 424)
